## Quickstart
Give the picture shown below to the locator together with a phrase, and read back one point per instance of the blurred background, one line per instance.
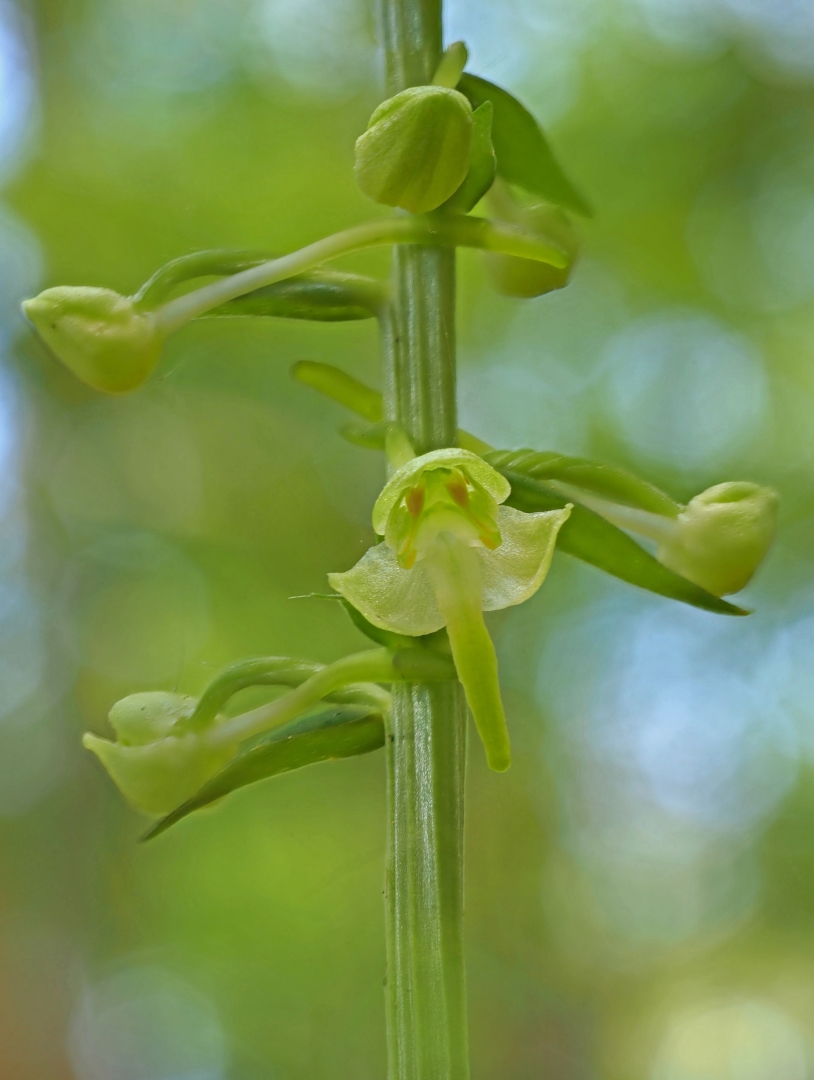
(640, 885)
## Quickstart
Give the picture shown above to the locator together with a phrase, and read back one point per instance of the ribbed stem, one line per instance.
(423, 379)
(426, 744)
(411, 35)
(426, 989)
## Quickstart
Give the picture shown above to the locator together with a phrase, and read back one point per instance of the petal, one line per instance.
(389, 597)
(452, 457)
(454, 569)
(140, 719)
(160, 776)
(516, 570)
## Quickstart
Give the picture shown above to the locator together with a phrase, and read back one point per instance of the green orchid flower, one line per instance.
(155, 762)
(451, 552)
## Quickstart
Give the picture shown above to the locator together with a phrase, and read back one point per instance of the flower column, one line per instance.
(426, 746)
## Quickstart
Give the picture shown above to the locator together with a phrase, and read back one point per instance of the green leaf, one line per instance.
(523, 154)
(339, 732)
(589, 537)
(605, 481)
(321, 295)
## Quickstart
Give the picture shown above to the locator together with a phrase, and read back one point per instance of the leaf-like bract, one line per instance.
(338, 732)
(524, 156)
(321, 296)
(482, 163)
(595, 478)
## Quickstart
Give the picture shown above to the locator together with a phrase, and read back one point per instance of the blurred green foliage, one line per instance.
(639, 884)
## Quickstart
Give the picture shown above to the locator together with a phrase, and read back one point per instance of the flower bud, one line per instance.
(155, 764)
(523, 277)
(98, 334)
(415, 152)
(721, 537)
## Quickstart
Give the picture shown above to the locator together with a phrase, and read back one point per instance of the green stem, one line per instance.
(449, 230)
(374, 665)
(351, 679)
(424, 376)
(264, 671)
(426, 738)
(426, 987)
(319, 294)
(658, 527)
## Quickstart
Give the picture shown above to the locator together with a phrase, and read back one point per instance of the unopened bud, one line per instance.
(722, 535)
(98, 334)
(156, 764)
(415, 152)
(523, 277)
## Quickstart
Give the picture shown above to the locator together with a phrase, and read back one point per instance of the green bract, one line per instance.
(527, 278)
(524, 156)
(722, 536)
(482, 164)
(451, 552)
(154, 769)
(415, 152)
(98, 334)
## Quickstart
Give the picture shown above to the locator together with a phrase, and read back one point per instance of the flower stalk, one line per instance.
(427, 1035)
(449, 231)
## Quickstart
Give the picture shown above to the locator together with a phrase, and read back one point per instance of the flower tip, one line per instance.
(722, 536)
(499, 760)
(31, 309)
(90, 742)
